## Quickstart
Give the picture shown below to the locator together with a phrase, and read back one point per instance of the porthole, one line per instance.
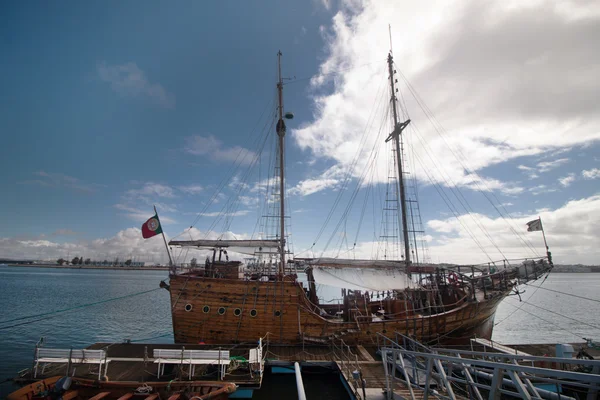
(253, 313)
(188, 307)
(277, 313)
(222, 310)
(205, 309)
(384, 331)
(237, 312)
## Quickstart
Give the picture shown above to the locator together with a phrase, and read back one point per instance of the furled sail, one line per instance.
(226, 243)
(249, 247)
(363, 279)
(351, 263)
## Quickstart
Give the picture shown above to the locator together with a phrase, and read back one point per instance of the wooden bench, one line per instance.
(191, 358)
(47, 356)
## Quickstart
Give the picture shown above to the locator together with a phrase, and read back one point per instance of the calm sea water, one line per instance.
(31, 291)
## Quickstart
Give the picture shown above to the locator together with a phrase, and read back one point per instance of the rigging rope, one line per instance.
(518, 308)
(566, 294)
(53, 313)
(439, 130)
(549, 322)
(370, 164)
(564, 316)
(348, 175)
(231, 172)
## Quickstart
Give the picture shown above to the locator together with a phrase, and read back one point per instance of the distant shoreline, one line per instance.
(557, 270)
(155, 268)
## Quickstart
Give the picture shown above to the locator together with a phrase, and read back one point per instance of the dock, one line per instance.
(396, 367)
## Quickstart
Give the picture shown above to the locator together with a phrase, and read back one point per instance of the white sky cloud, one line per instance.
(213, 148)
(593, 173)
(129, 80)
(124, 244)
(567, 180)
(571, 230)
(152, 189)
(546, 166)
(503, 82)
(311, 186)
(191, 189)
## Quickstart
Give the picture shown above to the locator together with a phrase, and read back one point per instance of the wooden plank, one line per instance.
(126, 396)
(70, 395)
(364, 353)
(175, 396)
(100, 396)
(499, 347)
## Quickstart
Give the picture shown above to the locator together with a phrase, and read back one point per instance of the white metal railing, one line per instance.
(475, 374)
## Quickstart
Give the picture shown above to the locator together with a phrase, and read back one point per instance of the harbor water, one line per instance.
(547, 316)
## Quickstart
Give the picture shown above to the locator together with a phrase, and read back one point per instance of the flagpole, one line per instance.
(545, 242)
(165, 240)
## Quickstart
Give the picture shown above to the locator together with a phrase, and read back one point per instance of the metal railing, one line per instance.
(349, 365)
(473, 374)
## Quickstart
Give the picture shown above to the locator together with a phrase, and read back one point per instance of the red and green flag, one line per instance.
(151, 227)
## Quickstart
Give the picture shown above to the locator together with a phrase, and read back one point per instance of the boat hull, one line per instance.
(86, 388)
(210, 310)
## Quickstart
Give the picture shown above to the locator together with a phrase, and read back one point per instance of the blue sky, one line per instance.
(108, 109)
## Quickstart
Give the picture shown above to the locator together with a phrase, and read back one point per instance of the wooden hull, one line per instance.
(209, 310)
(86, 389)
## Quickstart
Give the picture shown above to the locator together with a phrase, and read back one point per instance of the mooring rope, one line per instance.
(51, 314)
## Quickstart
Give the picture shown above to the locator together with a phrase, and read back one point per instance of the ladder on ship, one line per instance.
(438, 373)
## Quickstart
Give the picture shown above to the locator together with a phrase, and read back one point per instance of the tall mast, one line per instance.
(398, 128)
(281, 134)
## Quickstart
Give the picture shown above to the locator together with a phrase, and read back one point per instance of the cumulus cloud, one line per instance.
(501, 80)
(571, 230)
(212, 148)
(152, 189)
(311, 186)
(138, 203)
(191, 189)
(331, 178)
(593, 173)
(129, 80)
(546, 166)
(124, 244)
(567, 180)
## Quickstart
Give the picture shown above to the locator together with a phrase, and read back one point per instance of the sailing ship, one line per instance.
(224, 303)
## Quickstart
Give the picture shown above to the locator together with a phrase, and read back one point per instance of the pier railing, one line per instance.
(451, 374)
(348, 362)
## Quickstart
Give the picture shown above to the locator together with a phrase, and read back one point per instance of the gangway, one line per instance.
(456, 374)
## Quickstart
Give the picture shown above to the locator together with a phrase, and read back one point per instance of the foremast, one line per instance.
(395, 135)
(281, 133)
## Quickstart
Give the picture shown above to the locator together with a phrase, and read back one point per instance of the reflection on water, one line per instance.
(30, 291)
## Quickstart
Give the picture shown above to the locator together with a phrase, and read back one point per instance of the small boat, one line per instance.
(68, 388)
